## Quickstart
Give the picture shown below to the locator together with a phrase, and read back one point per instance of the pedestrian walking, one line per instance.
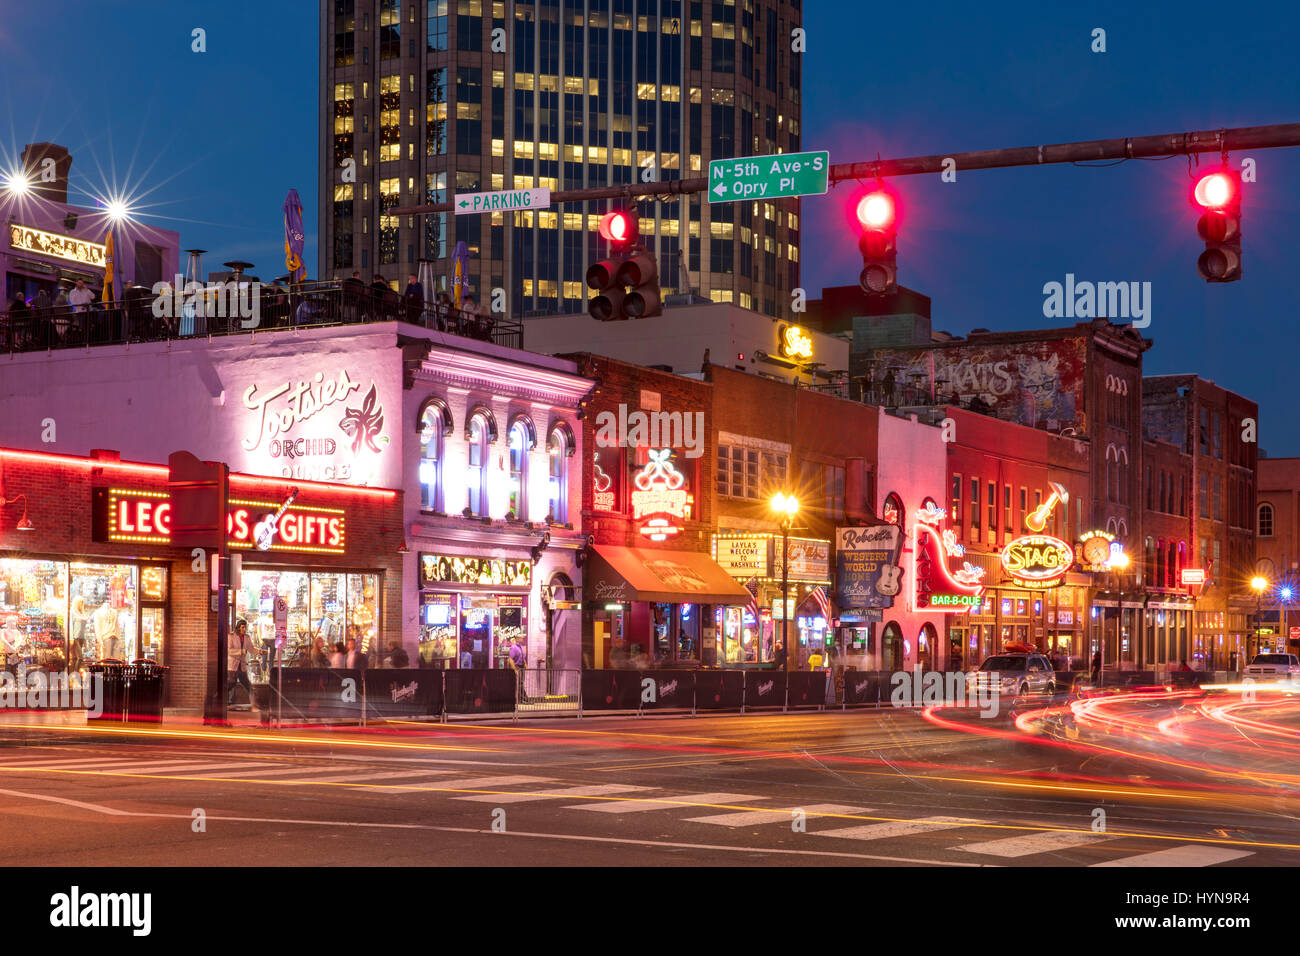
(236, 658)
(1096, 667)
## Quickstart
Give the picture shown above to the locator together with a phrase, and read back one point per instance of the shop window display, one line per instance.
(324, 609)
(33, 613)
(104, 608)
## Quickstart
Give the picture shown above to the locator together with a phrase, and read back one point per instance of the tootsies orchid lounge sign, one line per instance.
(325, 428)
(132, 515)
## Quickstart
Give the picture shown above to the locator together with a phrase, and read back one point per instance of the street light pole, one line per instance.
(785, 590)
(787, 506)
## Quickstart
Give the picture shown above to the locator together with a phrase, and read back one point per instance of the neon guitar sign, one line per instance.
(1036, 520)
(264, 532)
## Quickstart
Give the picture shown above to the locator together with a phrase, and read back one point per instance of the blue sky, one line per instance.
(212, 141)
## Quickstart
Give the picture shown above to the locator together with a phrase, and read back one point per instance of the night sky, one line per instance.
(210, 143)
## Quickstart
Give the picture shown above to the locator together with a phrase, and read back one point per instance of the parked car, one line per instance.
(1274, 667)
(1017, 674)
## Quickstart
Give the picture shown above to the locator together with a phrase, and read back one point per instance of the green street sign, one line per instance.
(769, 177)
(510, 200)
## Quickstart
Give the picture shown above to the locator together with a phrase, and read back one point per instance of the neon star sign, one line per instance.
(934, 587)
(660, 498)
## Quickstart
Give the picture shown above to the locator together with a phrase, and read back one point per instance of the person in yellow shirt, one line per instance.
(815, 660)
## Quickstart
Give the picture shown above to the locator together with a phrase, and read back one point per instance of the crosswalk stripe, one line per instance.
(355, 777)
(264, 772)
(680, 800)
(784, 815)
(1193, 854)
(595, 791)
(177, 766)
(883, 831)
(487, 783)
(1015, 846)
(65, 764)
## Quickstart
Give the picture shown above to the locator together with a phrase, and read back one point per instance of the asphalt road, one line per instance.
(823, 789)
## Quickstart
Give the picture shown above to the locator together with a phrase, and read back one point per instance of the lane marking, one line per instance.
(667, 803)
(885, 831)
(1017, 846)
(784, 815)
(1189, 855)
(593, 791)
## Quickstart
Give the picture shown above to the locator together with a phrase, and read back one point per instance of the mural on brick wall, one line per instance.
(1039, 384)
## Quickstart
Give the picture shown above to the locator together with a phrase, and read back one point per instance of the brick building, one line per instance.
(1215, 429)
(652, 594)
(87, 562)
(1277, 528)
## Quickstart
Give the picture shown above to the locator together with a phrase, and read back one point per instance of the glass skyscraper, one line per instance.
(422, 99)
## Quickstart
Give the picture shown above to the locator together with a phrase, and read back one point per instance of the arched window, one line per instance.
(1159, 579)
(521, 443)
(1265, 525)
(558, 450)
(1149, 560)
(476, 471)
(435, 426)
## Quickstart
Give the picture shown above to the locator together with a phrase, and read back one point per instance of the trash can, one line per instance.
(111, 675)
(144, 690)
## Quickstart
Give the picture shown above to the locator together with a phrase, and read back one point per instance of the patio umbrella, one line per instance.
(293, 237)
(460, 274)
(109, 277)
(427, 283)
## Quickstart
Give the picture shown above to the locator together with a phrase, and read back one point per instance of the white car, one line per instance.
(1273, 667)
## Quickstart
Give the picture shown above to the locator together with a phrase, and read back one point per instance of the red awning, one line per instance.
(617, 575)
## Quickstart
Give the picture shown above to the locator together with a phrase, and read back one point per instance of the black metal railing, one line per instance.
(141, 316)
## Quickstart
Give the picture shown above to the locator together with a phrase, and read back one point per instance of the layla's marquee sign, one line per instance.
(342, 450)
(1037, 560)
(59, 247)
(934, 586)
(660, 499)
(130, 515)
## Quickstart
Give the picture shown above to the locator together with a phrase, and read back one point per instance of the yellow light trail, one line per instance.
(265, 737)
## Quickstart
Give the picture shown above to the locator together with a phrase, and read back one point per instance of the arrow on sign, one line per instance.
(463, 203)
(720, 189)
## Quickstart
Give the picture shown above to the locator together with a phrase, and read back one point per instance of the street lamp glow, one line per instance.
(1258, 584)
(1286, 593)
(16, 183)
(1119, 561)
(785, 504)
(117, 210)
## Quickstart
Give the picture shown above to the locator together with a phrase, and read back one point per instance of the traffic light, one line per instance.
(629, 265)
(1219, 195)
(879, 243)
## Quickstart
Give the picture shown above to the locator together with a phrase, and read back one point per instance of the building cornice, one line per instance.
(524, 383)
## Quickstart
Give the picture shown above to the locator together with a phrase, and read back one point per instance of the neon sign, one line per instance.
(1036, 520)
(130, 515)
(1192, 576)
(60, 247)
(1098, 550)
(934, 587)
(660, 498)
(603, 496)
(795, 342)
(1037, 560)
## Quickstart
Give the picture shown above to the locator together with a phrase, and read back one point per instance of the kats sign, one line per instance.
(1037, 560)
(131, 515)
(660, 499)
(934, 586)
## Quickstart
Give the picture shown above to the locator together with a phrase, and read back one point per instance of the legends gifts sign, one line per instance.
(867, 572)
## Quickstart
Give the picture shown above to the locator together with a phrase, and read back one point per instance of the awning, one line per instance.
(616, 575)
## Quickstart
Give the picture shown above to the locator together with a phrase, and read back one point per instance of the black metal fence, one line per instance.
(141, 316)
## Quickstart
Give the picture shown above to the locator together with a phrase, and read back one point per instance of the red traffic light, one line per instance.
(876, 210)
(1215, 191)
(617, 227)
